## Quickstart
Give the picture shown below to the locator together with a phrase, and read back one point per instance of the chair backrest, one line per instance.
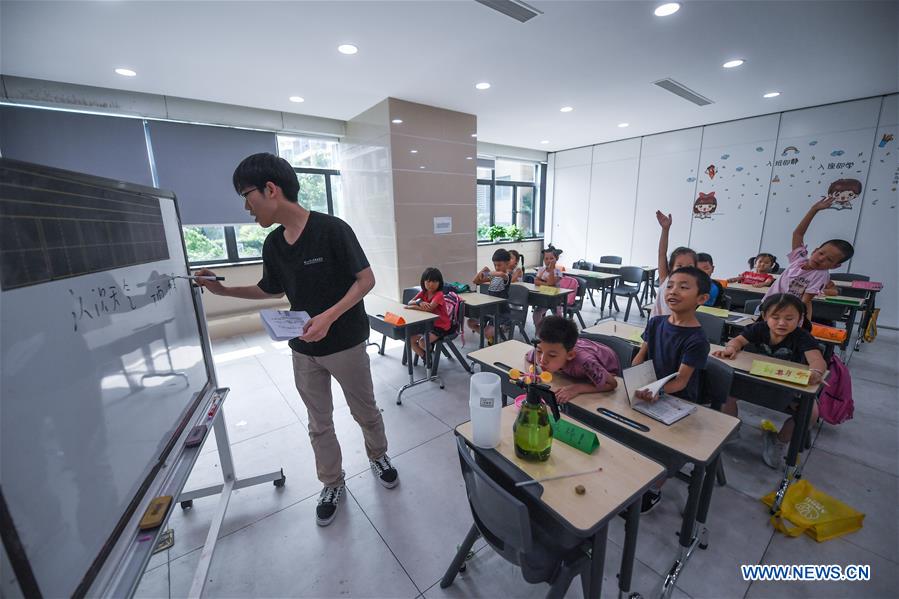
(502, 519)
(751, 306)
(409, 293)
(570, 282)
(483, 288)
(712, 326)
(726, 302)
(578, 302)
(610, 259)
(714, 383)
(528, 278)
(624, 350)
(518, 304)
(631, 275)
(848, 276)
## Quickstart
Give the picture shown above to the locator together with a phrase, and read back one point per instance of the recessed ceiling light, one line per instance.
(421, 167)
(413, 151)
(771, 95)
(544, 141)
(474, 134)
(623, 125)
(347, 49)
(468, 158)
(297, 99)
(126, 72)
(397, 121)
(566, 109)
(667, 9)
(733, 63)
(482, 85)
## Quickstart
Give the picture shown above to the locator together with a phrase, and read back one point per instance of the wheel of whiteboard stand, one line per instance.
(186, 505)
(280, 482)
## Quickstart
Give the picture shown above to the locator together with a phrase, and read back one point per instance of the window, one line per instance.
(509, 193)
(316, 164)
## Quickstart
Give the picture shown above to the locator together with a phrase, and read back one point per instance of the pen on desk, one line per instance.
(198, 277)
(548, 478)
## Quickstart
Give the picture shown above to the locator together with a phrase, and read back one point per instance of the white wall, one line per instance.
(740, 152)
(602, 199)
(571, 190)
(613, 198)
(876, 251)
(668, 167)
(821, 139)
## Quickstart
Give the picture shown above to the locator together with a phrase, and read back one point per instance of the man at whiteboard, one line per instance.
(317, 261)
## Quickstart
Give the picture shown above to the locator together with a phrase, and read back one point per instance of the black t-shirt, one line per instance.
(792, 348)
(671, 345)
(315, 273)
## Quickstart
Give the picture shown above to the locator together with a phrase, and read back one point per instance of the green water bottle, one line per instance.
(532, 431)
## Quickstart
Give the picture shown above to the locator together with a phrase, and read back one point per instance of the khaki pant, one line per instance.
(312, 375)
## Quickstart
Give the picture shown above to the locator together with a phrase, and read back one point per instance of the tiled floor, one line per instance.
(397, 543)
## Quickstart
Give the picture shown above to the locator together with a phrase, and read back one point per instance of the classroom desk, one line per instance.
(601, 281)
(697, 439)
(772, 394)
(482, 306)
(625, 477)
(417, 323)
(544, 296)
(649, 276)
(837, 307)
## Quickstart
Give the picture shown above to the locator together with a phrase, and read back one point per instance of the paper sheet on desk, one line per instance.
(283, 325)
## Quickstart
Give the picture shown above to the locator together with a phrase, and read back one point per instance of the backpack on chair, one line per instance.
(455, 309)
(835, 403)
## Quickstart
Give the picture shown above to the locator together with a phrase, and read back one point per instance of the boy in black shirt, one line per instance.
(316, 260)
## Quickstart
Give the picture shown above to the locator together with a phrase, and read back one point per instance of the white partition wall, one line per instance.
(876, 251)
(667, 182)
(613, 197)
(816, 149)
(734, 174)
(571, 190)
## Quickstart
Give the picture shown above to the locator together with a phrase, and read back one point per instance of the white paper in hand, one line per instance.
(283, 325)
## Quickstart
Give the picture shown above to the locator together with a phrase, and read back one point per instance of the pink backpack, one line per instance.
(455, 309)
(569, 283)
(835, 404)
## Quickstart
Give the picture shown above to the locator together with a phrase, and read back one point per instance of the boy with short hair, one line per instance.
(807, 275)
(676, 343)
(560, 350)
(705, 263)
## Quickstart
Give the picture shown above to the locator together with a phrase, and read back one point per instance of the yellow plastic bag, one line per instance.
(814, 513)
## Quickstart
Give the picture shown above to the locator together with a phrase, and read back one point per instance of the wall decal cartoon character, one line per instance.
(705, 205)
(843, 192)
(710, 171)
(887, 138)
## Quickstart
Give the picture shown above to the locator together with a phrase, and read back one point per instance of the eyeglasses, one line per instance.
(244, 194)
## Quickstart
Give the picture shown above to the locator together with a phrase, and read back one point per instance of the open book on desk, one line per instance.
(283, 325)
(666, 409)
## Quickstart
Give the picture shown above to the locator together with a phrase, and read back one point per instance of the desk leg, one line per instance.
(631, 525)
(408, 353)
(705, 500)
(800, 428)
(688, 537)
(597, 562)
(482, 320)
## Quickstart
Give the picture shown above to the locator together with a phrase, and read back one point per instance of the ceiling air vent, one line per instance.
(679, 89)
(512, 8)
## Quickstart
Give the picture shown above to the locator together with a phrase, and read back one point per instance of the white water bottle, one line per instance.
(485, 401)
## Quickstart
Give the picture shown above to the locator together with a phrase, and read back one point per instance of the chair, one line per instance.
(624, 350)
(575, 307)
(631, 279)
(726, 301)
(751, 306)
(518, 310)
(714, 387)
(503, 518)
(712, 326)
(528, 278)
(610, 259)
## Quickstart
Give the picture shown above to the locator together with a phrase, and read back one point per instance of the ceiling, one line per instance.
(598, 57)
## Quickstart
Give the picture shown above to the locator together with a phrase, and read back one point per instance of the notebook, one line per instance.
(666, 409)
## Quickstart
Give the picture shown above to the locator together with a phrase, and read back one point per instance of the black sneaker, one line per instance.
(386, 473)
(326, 509)
(650, 500)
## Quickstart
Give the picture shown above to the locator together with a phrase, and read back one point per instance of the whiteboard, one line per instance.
(101, 365)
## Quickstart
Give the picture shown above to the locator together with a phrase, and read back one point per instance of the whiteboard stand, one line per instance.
(224, 490)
